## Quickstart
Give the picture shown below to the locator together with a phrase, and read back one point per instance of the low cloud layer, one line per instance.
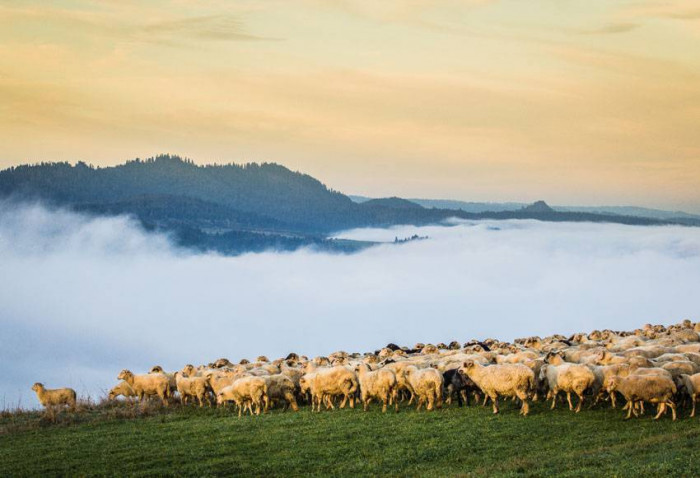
(84, 297)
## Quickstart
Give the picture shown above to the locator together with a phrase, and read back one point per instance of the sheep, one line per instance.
(509, 380)
(147, 385)
(192, 387)
(567, 378)
(281, 387)
(645, 388)
(246, 392)
(401, 381)
(379, 384)
(59, 396)
(330, 382)
(426, 384)
(171, 377)
(123, 389)
(454, 381)
(692, 388)
(602, 374)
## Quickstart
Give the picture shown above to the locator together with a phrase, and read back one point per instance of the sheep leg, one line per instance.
(692, 414)
(629, 409)
(344, 401)
(673, 409)
(554, 400)
(568, 399)
(580, 402)
(494, 400)
(486, 399)
(525, 409)
(420, 403)
(613, 400)
(662, 409)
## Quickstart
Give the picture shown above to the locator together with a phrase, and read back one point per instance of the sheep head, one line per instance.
(156, 369)
(126, 375)
(38, 386)
(188, 370)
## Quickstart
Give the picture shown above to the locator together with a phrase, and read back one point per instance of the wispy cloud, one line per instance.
(212, 27)
(611, 29)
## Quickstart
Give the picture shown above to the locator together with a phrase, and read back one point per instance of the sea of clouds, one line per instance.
(83, 297)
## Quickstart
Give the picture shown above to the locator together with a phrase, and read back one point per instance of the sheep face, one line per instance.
(188, 370)
(156, 369)
(37, 386)
(304, 384)
(125, 375)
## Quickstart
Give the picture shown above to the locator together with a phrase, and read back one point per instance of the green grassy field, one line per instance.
(451, 442)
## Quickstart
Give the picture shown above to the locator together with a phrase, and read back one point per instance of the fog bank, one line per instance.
(84, 297)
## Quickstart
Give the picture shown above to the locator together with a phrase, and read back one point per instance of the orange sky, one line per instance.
(576, 102)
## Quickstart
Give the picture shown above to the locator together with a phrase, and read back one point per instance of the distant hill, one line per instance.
(251, 207)
(538, 207)
(479, 207)
(392, 202)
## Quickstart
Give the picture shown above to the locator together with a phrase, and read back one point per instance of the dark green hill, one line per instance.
(236, 208)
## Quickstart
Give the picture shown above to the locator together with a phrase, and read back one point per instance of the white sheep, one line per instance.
(246, 392)
(508, 380)
(426, 385)
(379, 384)
(569, 378)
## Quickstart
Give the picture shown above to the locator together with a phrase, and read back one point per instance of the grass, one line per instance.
(184, 441)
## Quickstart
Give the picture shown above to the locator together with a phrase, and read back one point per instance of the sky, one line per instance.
(575, 102)
(84, 297)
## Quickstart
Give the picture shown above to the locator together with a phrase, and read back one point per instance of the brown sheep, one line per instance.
(281, 388)
(147, 385)
(59, 396)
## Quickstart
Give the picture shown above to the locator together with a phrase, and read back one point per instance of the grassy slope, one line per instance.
(467, 442)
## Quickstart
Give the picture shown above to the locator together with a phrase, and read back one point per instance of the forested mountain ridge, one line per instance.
(236, 208)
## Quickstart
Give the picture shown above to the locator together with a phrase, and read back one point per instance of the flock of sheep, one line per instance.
(654, 365)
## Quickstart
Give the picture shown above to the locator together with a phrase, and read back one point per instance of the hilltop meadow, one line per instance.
(132, 440)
